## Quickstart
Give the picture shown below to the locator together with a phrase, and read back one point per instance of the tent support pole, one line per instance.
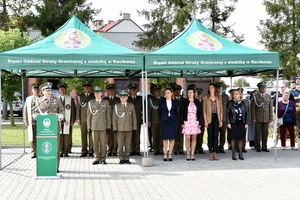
(23, 116)
(275, 134)
(146, 113)
(0, 125)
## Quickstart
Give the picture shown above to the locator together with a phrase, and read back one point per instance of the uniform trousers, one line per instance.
(99, 138)
(222, 136)
(178, 147)
(33, 142)
(213, 129)
(84, 139)
(135, 143)
(157, 140)
(124, 138)
(70, 140)
(112, 142)
(200, 140)
(264, 129)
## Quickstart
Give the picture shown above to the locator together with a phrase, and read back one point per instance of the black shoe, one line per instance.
(229, 148)
(161, 153)
(241, 157)
(175, 153)
(33, 156)
(70, 152)
(265, 150)
(221, 151)
(122, 162)
(150, 150)
(138, 154)
(103, 162)
(96, 162)
(201, 152)
(57, 171)
(233, 157)
(165, 159)
(244, 151)
(91, 154)
(83, 155)
(181, 152)
(257, 150)
(61, 155)
(127, 162)
(132, 154)
(193, 158)
(156, 154)
(114, 154)
(109, 154)
(66, 155)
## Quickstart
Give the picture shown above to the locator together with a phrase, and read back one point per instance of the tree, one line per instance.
(76, 83)
(241, 82)
(52, 14)
(170, 17)
(280, 32)
(11, 39)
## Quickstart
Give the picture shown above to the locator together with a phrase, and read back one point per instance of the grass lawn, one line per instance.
(13, 135)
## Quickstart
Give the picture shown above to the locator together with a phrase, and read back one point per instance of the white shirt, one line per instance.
(169, 105)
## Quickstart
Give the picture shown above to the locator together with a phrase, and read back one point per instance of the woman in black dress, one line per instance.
(237, 118)
(167, 112)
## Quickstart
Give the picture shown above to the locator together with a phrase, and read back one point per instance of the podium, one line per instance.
(46, 146)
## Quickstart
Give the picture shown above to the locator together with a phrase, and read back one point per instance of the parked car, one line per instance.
(17, 105)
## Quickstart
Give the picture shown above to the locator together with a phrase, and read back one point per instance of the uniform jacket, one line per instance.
(25, 111)
(82, 106)
(163, 112)
(124, 119)
(225, 100)
(230, 113)
(112, 103)
(138, 105)
(180, 102)
(184, 111)
(261, 108)
(153, 103)
(207, 109)
(98, 115)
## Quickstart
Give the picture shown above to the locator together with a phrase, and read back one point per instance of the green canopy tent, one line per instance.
(72, 51)
(198, 52)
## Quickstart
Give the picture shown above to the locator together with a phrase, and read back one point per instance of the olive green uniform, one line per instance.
(178, 146)
(222, 130)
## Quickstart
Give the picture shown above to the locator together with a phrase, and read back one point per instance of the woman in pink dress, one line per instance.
(191, 117)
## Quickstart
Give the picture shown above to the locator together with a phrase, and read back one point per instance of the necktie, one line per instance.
(124, 105)
(98, 102)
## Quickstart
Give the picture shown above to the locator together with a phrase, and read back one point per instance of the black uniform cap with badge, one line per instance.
(86, 84)
(191, 86)
(110, 86)
(132, 86)
(172, 85)
(261, 85)
(35, 86)
(177, 87)
(219, 85)
(152, 86)
(199, 90)
(62, 85)
(97, 89)
(157, 87)
(46, 86)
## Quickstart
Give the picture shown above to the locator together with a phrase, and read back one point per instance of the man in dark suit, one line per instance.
(112, 140)
(178, 148)
(199, 148)
(137, 102)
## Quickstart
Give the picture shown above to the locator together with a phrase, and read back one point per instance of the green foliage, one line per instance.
(52, 14)
(76, 83)
(163, 82)
(241, 82)
(13, 39)
(298, 123)
(170, 17)
(280, 32)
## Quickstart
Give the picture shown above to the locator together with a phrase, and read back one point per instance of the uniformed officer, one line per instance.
(47, 105)
(70, 117)
(86, 139)
(154, 122)
(178, 147)
(124, 124)
(137, 102)
(150, 138)
(29, 105)
(99, 124)
(261, 115)
(112, 140)
(199, 143)
(222, 130)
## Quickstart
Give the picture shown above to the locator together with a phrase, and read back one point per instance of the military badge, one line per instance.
(68, 106)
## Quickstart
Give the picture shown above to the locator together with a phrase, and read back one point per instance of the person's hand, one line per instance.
(229, 126)
(149, 124)
(115, 131)
(134, 132)
(206, 124)
(107, 131)
(182, 125)
(67, 123)
(254, 121)
(72, 123)
(220, 124)
(78, 122)
(89, 131)
(246, 126)
(26, 124)
(271, 120)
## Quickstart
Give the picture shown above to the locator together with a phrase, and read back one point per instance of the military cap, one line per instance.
(177, 87)
(46, 86)
(199, 90)
(152, 86)
(261, 84)
(132, 86)
(218, 84)
(123, 93)
(241, 90)
(172, 85)
(110, 86)
(157, 88)
(191, 86)
(230, 91)
(86, 84)
(34, 86)
(97, 89)
(62, 85)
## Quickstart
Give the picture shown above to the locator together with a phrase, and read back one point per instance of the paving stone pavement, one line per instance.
(259, 176)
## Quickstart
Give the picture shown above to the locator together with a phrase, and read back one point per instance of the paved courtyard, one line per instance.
(257, 177)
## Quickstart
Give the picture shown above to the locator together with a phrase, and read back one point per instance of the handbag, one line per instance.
(280, 120)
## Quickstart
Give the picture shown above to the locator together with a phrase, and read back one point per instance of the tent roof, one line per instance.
(198, 52)
(72, 51)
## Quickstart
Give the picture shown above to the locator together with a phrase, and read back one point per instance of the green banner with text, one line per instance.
(46, 145)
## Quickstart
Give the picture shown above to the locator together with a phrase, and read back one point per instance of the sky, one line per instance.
(245, 19)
